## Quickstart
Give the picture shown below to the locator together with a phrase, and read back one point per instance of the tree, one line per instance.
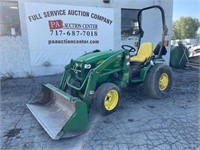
(185, 28)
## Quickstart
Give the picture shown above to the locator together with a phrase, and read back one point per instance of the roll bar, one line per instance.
(164, 26)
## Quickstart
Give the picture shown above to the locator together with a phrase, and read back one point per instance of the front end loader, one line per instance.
(63, 111)
(97, 78)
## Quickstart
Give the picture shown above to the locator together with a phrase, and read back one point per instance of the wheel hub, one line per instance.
(163, 81)
(111, 100)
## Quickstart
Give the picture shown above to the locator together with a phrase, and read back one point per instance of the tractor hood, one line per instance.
(93, 57)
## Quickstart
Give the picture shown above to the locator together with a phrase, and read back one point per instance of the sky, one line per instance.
(185, 8)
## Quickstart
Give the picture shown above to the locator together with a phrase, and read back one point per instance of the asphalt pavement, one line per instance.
(139, 122)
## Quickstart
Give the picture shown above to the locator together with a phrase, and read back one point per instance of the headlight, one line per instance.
(78, 65)
(87, 66)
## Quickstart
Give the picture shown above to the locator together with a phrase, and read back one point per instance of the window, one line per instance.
(9, 19)
(129, 23)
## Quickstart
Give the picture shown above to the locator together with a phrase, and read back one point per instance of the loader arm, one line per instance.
(89, 84)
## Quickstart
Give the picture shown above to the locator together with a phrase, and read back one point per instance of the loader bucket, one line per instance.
(59, 113)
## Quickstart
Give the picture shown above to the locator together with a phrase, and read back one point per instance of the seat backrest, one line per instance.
(146, 49)
(157, 49)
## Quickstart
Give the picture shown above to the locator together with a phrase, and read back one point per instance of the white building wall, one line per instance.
(14, 51)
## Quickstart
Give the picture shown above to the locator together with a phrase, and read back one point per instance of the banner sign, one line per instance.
(57, 33)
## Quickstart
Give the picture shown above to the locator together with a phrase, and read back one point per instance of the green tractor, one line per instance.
(96, 78)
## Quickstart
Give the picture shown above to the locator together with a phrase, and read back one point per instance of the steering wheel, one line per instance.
(128, 48)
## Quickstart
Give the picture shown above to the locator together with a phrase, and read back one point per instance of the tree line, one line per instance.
(185, 28)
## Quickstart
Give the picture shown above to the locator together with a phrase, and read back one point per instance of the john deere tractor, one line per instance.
(97, 78)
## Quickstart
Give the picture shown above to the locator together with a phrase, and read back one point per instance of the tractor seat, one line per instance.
(145, 51)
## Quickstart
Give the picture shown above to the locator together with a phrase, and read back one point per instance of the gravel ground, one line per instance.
(138, 123)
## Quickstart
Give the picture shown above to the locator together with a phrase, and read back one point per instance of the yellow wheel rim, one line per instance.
(163, 81)
(111, 100)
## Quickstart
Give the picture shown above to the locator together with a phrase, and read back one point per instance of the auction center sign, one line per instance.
(57, 33)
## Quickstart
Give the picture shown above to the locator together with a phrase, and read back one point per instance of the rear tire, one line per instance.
(158, 81)
(106, 98)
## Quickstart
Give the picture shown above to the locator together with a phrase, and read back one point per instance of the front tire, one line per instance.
(158, 81)
(106, 98)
